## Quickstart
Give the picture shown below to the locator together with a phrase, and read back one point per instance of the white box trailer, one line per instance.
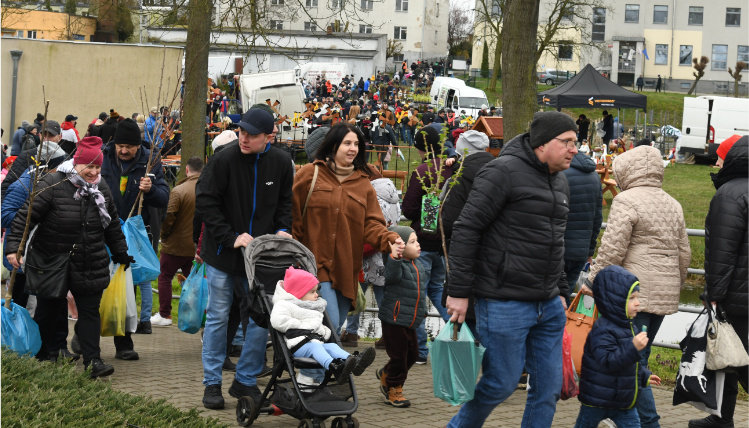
(276, 85)
(708, 120)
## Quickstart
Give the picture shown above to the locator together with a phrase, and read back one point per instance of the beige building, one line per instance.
(46, 25)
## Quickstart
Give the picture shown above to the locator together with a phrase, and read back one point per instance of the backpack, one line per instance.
(28, 142)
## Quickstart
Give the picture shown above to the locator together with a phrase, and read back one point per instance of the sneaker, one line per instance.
(396, 398)
(229, 366)
(380, 343)
(382, 376)
(238, 390)
(711, 421)
(75, 345)
(421, 360)
(160, 321)
(304, 380)
(143, 328)
(363, 360)
(212, 397)
(127, 355)
(99, 368)
(342, 369)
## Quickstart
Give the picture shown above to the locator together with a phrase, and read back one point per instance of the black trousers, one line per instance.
(88, 327)
(20, 297)
(731, 385)
(52, 317)
(125, 343)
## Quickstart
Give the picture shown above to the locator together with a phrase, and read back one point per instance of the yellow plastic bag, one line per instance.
(113, 307)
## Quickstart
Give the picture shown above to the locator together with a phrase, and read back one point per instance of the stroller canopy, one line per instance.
(274, 247)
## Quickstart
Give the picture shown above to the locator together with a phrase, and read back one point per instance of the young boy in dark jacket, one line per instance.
(611, 376)
(403, 309)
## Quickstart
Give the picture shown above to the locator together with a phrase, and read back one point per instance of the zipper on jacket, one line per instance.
(254, 194)
(418, 295)
(637, 373)
(551, 227)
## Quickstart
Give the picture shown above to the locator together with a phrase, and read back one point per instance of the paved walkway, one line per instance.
(170, 367)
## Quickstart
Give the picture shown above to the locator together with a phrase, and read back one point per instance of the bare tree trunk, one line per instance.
(497, 64)
(196, 72)
(518, 76)
(694, 86)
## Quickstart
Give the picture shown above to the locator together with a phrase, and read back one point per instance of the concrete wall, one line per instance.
(85, 79)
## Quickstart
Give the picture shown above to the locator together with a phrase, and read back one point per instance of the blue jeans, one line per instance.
(517, 334)
(323, 353)
(250, 364)
(352, 322)
(338, 306)
(433, 272)
(146, 300)
(590, 417)
(645, 401)
(239, 337)
(406, 135)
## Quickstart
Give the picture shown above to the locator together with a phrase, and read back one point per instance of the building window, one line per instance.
(276, 2)
(31, 34)
(365, 29)
(695, 15)
(311, 3)
(276, 24)
(367, 4)
(565, 51)
(733, 16)
(400, 33)
(661, 54)
(632, 13)
(496, 11)
(398, 58)
(310, 26)
(336, 4)
(568, 14)
(401, 5)
(720, 57)
(743, 54)
(599, 25)
(79, 37)
(660, 14)
(685, 55)
(19, 33)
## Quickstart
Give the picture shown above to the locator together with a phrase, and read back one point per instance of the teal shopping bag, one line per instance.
(19, 331)
(147, 266)
(193, 300)
(456, 361)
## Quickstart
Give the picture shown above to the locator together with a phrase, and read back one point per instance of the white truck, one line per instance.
(333, 71)
(708, 120)
(449, 92)
(282, 86)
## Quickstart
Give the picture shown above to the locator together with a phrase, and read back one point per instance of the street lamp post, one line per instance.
(16, 55)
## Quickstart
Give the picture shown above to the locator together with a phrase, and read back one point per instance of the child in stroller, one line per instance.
(298, 314)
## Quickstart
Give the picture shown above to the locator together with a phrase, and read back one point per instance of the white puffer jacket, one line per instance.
(291, 313)
(646, 233)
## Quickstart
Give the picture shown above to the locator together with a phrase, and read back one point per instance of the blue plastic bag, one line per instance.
(193, 300)
(455, 364)
(146, 266)
(19, 331)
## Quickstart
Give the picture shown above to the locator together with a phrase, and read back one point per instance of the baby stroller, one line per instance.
(266, 260)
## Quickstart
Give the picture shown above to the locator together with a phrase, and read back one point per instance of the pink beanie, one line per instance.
(298, 282)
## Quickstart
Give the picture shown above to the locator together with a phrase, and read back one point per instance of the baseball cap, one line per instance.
(52, 127)
(154, 109)
(70, 118)
(257, 121)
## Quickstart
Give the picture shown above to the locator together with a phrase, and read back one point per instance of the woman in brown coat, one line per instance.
(338, 216)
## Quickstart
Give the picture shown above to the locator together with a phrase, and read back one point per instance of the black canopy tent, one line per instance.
(588, 89)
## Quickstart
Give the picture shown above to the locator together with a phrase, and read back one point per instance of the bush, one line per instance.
(485, 61)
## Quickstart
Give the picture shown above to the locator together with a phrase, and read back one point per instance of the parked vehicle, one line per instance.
(708, 120)
(448, 92)
(281, 86)
(555, 77)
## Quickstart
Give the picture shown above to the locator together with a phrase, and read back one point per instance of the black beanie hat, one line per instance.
(548, 124)
(127, 133)
(432, 138)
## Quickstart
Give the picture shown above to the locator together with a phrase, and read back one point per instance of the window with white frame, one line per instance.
(31, 34)
(568, 14)
(743, 54)
(695, 15)
(311, 3)
(277, 2)
(720, 57)
(365, 29)
(398, 58)
(660, 14)
(276, 24)
(632, 13)
(661, 54)
(310, 26)
(336, 4)
(400, 33)
(401, 5)
(685, 55)
(367, 4)
(79, 37)
(733, 16)
(565, 51)
(599, 24)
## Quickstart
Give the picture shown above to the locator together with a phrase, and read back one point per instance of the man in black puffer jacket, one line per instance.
(726, 261)
(507, 251)
(585, 216)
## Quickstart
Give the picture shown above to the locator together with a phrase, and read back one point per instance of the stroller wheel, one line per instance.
(246, 411)
(353, 422)
(339, 422)
(310, 423)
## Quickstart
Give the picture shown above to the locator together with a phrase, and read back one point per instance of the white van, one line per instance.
(448, 92)
(708, 120)
(276, 85)
(333, 71)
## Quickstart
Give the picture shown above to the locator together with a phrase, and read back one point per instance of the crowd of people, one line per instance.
(518, 230)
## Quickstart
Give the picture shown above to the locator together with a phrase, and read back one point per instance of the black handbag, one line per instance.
(46, 276)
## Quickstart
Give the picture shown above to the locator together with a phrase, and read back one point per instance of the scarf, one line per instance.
(341, 172)
(84, 188)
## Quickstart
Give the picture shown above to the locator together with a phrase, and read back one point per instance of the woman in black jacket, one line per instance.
(726, 249)
(74, 213)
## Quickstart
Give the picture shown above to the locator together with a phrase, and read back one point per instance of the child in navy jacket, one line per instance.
(611, 376)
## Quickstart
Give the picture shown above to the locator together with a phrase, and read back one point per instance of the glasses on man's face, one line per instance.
(571, 144)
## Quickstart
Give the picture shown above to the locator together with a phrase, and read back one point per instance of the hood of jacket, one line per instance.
(583, 162)
(735, 165)
(612, 288)
(639, 167)
(387, 197)
(67, 125)
(98, 122)
(520, 147)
